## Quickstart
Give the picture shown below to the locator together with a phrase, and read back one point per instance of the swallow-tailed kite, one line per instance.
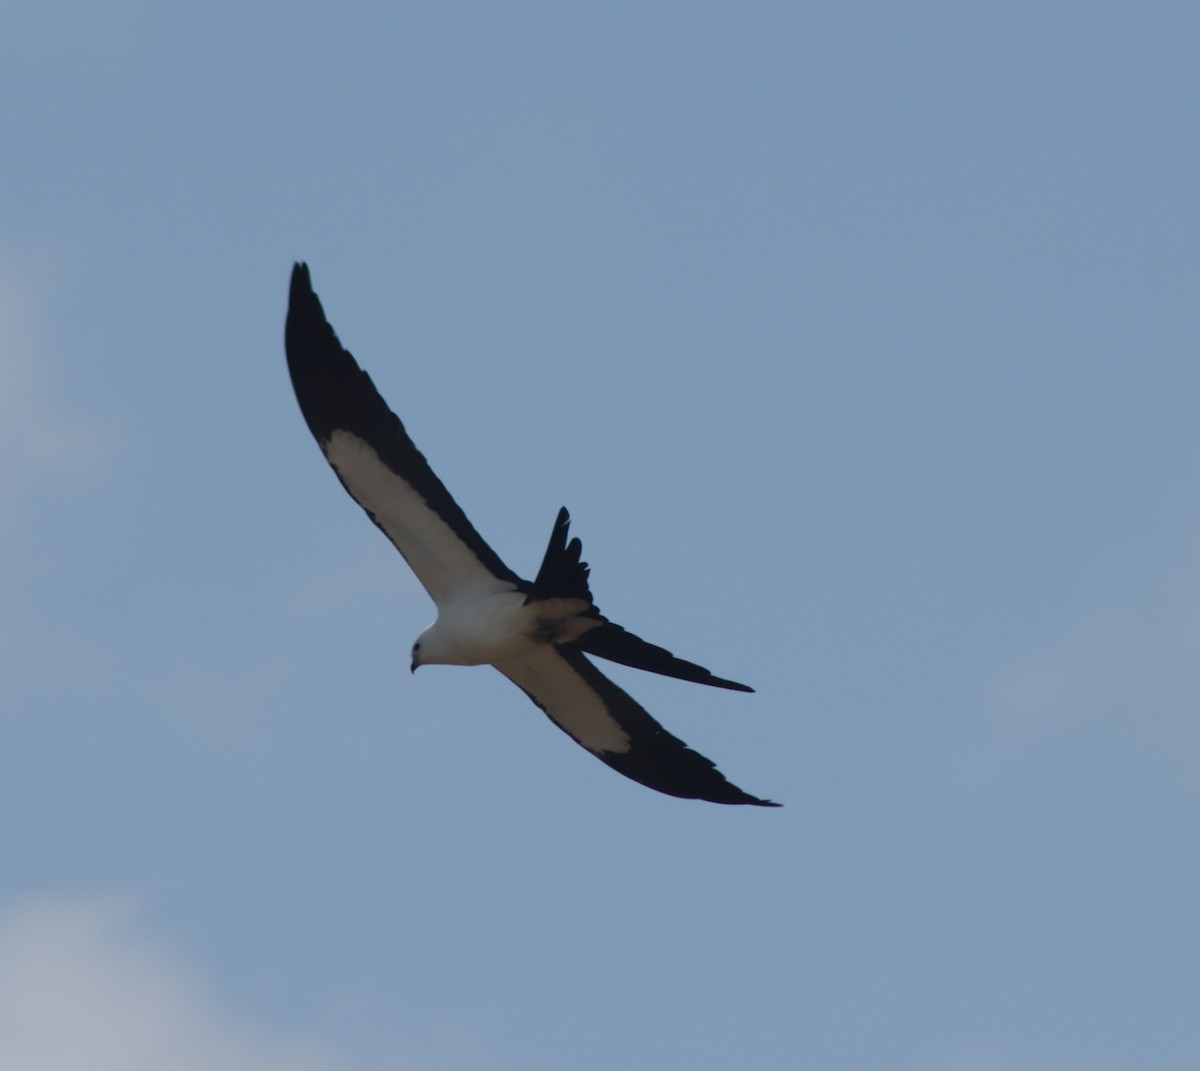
(537, 634)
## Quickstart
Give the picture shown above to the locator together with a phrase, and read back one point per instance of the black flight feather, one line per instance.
(562, 575)
(617, 645)
(335, 394)
(657, 759)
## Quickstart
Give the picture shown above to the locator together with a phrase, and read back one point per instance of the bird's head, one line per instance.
(425, 649)
(438, 646)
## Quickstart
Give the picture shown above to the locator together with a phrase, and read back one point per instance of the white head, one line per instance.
(431, 648)
(420, 650)
(476, 631)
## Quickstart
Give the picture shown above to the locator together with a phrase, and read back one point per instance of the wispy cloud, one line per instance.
(43, 437)
(84, 988)
(1129, 665)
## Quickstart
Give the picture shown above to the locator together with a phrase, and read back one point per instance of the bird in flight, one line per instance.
(539, 633)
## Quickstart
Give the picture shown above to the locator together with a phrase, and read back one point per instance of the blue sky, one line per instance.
(860, 340)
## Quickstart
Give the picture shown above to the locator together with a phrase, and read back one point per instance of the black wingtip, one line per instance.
(301, 279)
(653, 757)
(335, 394)
(329, 384)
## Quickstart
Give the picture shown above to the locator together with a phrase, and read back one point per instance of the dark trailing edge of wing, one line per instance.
(656, 759)
(617, 645)
(562, 575)
(336, 395)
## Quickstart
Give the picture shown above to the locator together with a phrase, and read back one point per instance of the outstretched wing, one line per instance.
(595, 713)
(377, 462)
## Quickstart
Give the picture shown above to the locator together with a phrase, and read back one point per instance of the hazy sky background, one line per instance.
(861, 341)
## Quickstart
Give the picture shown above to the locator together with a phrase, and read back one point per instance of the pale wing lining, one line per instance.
(442, 562)
(567, 700)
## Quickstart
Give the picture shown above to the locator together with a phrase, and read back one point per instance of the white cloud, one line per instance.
(83, 989)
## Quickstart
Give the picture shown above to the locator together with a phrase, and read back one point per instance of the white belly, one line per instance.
(498, 626)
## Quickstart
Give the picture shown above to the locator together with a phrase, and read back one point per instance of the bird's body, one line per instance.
(493, 627)
(537, 633)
